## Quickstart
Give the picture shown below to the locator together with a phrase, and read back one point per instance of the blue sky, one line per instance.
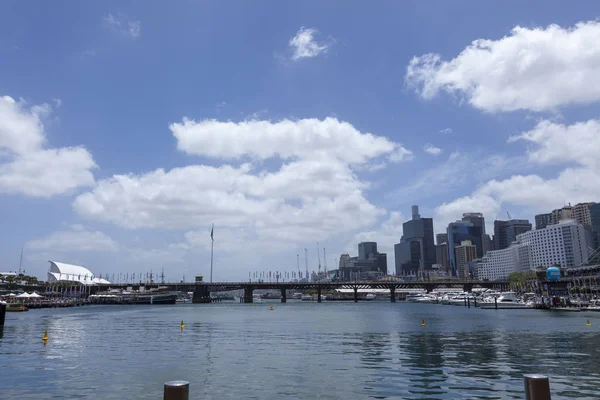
(305, 122)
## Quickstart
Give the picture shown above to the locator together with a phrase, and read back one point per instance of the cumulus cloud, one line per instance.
(431, 149)
(305, 185)
(26, 166)
(78, 239)
(573, 146)
(305, 45)
(446, 131)
(124, 25)
(537, 69)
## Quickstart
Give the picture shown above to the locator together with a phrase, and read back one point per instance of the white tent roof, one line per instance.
(34, 294)
(62, 272)
(24, 295)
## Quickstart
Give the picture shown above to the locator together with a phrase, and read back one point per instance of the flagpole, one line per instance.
(212, 245)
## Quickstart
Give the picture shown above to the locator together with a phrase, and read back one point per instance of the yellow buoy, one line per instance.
(422, 322)
(45, 338)
(182, 325)
(271, 308)
(251, 304)
(588, 323)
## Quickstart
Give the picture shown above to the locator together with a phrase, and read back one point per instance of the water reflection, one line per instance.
(297, 352)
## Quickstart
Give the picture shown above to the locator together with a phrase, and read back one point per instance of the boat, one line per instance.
(307, 297)
(16, 308)
(370, 296)
(270, 296)
(296, 296)
(508, 300)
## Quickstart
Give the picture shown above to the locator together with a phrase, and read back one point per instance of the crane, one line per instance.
(298, 259)
(509, 217)
(324, 260)
(319, 258)
(306, 261)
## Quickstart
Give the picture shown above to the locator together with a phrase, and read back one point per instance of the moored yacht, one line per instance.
(505, 301)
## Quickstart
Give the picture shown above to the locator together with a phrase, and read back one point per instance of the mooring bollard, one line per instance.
(537, 387)
(177, 390)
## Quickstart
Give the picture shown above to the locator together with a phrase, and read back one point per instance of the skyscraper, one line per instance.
(465, 253)
(460, 231)
(441, 256)
(505, 232)
(365, 249)
(542, 220)
(595, 223)
(441, 238)
(477, 220)
(416, 250)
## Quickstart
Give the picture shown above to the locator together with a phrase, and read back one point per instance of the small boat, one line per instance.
(307, 297)
(16, 308)
(370, 296)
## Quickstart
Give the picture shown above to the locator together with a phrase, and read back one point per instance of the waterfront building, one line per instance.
(563, 244)
(416, 250)
(465, 253)
(498, 264)
(441, 238)
(542, 220)
(458, 232)
(369, 265)
(62, 272)
(506, 232)
(441, 257)
(478, 220)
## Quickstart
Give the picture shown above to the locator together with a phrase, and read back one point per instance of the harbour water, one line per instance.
(299, 350)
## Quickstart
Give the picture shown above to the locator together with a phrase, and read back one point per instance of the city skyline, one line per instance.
(139, 133)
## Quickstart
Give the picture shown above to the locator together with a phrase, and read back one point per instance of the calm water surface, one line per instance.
(300, 350)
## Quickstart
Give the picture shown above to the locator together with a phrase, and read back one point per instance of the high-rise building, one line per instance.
(477, 220)
(441, 256)
(457, 232)
(561, 214)
(581, 213)
(542, 220)
(371, 265)
(595, 223)
(441, 238)
(488, 243)
(365, 249)
(416, 233)
(505, 232)
(465, 253)
(561, 244)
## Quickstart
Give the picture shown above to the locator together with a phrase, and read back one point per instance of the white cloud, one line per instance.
(431, 149)
(574, 145)
(124, 25)
(304, 44)
(314, 193)
(535, 69)
(78, 239)
(446, 131)
(28, 168)
(305, 139)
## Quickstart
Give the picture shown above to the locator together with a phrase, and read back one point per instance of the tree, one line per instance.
(521, 277)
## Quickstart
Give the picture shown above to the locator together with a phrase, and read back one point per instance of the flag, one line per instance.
(212, 231)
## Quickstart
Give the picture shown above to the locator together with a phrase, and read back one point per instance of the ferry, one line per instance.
(16, 308)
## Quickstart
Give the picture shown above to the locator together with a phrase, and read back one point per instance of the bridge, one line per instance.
(202, 290)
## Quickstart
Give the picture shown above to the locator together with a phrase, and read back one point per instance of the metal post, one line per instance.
(465, 301)
(177, 390)
(356, 295)
(318, 295)
(496, 302)
(283, 295)
(393, 294)
(2, 315)
(468, 302)
(537, 387)
(475, 300)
